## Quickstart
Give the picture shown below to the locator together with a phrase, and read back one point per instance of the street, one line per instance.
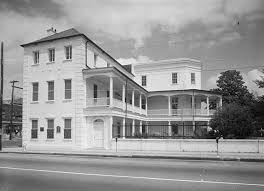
(51, 172)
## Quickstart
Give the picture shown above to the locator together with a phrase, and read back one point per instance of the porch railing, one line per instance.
(118, 103)
(179, 112)
(93, 102)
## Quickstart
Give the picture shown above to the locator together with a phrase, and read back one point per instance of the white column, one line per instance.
(147, 130)
(146, 105)
(124, 128)
(169, 128)
(169, 105)
(140, 102)
(111, 91)
(193, 124)
(133, 127)
(140, 127)
(207, 105)
(124, 96)
(193, 104)
(133, 100)
(110, 130)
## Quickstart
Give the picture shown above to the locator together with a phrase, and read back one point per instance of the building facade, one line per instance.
(76, 96)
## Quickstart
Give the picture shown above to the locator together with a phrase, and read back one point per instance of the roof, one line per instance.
(64, 34)
(72, 33)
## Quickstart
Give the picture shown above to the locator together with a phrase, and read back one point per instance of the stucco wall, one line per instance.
(190, 145)
(59, 108)
(159, 78)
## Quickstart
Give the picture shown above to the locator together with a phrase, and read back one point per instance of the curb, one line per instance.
(143, 156)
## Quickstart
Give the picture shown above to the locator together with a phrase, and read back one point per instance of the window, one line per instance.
(95, 91)
(34, 129)
(36, 57)
(67, 128)
(50, 129)
(143, 103)
(192, 78)
(144, 80)
(58, 129)
(174, 78)
(68, 89)
(68, 52)
(35, 86)
(51, 90)
(52, 55)
(95, 59)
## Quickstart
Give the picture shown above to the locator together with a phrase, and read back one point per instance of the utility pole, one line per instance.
(1, 96)
(12, 109)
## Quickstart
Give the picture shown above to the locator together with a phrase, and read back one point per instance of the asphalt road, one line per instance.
(49, 172)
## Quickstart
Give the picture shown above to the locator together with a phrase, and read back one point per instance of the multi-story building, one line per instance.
(75, 95)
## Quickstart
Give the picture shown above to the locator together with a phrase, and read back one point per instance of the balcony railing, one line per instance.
(179, 112)
(105, 101)
(94, 102)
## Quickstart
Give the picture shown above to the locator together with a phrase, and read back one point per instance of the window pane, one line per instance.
(144, 80)
(36, 57)
(35, 92)
(34, 130)
(68, 89)
(50, 124)
(51, 90)
(68, 52)
(51, 55)
(174, 78)
(193, 78)
(67, 123)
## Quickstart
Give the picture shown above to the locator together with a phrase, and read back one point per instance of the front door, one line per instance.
(99, 134)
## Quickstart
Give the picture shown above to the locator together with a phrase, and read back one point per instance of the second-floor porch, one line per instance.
(107, 87)
(199, 103)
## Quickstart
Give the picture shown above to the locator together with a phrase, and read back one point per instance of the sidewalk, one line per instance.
(247, 157)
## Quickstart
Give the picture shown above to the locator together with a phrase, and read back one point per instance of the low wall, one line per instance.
(190, 145)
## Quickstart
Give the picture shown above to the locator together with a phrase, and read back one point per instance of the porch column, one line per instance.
(140, 127)
(193, 124)
(124, 128)
(124, 96)
(111, 91)
(169, 105)
(193, 100)
(221, 101)
(140, 103)
(169, 128)
(111, 127)
(133, 127)
(146, 105)
(133, 100)
(147, 130)
(207, 105)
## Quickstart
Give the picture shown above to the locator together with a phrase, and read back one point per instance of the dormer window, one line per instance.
(68, 52)
(36, 57)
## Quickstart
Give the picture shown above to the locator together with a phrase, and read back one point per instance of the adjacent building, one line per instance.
(76, 96)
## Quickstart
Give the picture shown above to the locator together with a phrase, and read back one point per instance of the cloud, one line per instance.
(250, 78)
(211, 81)
(139, 59)
(17, 29)
(136, 19)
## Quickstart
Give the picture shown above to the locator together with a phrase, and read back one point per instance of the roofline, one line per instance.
(170, 61)
(114, 68)
(83, 35)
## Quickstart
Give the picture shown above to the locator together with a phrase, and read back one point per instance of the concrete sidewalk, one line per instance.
(247, 157)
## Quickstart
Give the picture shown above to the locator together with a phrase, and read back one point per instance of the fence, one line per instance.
(176, 131)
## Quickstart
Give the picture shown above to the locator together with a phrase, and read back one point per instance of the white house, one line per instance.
(76, 96)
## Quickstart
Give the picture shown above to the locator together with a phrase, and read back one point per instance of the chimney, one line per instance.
(51, 31)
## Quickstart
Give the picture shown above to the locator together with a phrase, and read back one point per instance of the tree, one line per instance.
(233, 121)
(260, 83)
(231, 86)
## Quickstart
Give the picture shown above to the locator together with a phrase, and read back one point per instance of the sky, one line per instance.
(223, 34)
